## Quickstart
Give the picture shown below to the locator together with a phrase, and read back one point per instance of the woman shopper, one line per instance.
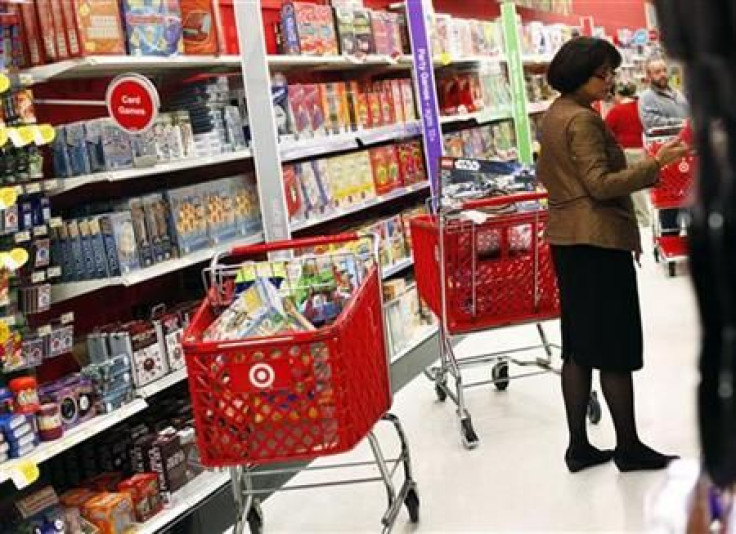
(625, 125)
(594, 236)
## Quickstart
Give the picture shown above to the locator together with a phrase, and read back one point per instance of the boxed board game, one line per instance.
(157, 223)
(123, 233)
(220, 211)
(153, 27)
(308, 29)
(188, 218)
(99, 27)
(199, 27)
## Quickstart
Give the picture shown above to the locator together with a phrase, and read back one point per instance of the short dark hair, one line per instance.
(626, 89)
(578, 60)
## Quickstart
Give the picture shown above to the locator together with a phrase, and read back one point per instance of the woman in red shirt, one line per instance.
(625, 124)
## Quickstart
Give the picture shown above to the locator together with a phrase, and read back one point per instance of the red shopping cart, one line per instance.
(671, 194)
(265, 400)
(479, 273)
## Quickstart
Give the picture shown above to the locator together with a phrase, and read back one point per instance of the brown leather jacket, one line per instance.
(584, 170)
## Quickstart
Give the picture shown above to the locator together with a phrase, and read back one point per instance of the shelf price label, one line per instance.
(4, 83)
(24, 473)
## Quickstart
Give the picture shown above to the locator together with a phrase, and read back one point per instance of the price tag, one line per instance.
(445, 59)
(4, 83)
(53, 272)
(67, 318)
(16, 138)
(38, 277)
(44, 330)
(40, 231)
(24, 473)
(8, 197)
(4, 332)
(8, 320)
(44, 134)
(55, 222)
(22, 237)
(50, 185)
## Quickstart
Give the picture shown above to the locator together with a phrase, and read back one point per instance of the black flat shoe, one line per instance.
(647, 460)
(590, 457)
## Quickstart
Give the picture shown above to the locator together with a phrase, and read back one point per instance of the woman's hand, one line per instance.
(671, 151)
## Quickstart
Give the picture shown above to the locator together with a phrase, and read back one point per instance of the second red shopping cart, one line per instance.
(479, 267)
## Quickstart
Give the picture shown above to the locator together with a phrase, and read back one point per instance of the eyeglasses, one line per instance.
(607, 76)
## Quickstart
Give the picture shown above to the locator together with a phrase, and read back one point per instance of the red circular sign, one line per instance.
(132, 102)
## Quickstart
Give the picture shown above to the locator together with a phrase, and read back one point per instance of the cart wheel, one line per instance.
(440, 391)
(255, 519)
(500, 375)
(594, 409)
(672, 269)
(656, 255)
(412, 505)
(470, 438)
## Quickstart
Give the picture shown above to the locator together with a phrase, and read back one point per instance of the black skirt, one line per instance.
(599, 297)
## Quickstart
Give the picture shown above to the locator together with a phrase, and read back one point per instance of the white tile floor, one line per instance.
(516, 480)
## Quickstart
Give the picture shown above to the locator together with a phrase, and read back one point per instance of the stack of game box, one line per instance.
(490, 141)
(305, 111)
(471, 91)
(318, 187)
(157, 227)
(458, 38)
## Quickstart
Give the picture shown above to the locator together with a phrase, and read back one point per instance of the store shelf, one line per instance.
(396, 193)
(184, 500)
(537, 59)
(539, 107)
(162, 384)
(479, 117)
(396, 268)
(447, 61)
(70, 290)
(423, 335)
(73, 437)
(285, 62)
(69, 184)
(319, 146)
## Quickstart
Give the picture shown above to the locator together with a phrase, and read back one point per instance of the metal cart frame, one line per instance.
(237, 411)
(435, 256)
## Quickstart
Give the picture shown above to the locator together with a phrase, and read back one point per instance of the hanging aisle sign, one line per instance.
(132, 102)
(425, 87)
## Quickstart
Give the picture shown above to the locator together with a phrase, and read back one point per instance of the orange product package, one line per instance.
(99, 27)
(75, 498)
(329, 108)
(199, 26)
(292, 192)
(407, 93)
(70, 27)
(394, 169)
(374, 108)
(46, 25)
(144, 492)
(381, 162)
(111, 513)
(343, 107)
(398, 100)
(57, 17)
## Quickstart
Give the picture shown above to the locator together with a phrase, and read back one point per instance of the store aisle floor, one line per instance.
(516, 480)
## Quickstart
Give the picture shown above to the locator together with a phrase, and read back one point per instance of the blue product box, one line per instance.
(142, 237)
(77, 149)
(75, 240)
(87, 253)
(158, 221)
(110, 248)
(98, 247)
(153, 27)
(124, 239)
(60, 156)
(95, 149)
(116, 149)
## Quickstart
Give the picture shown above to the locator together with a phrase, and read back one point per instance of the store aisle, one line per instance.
(516, 479)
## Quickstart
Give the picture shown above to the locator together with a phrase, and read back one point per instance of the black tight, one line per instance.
(618, 390)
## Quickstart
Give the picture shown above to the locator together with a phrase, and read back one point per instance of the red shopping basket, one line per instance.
(675, 181)
(291, 397)
(496, 273)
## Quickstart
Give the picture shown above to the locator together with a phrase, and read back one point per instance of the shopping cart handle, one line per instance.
(290, 244)
(503, 200)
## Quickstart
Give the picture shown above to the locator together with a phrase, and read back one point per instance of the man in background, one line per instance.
(661, 106)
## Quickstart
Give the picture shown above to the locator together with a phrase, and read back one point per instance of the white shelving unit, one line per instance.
(397, 267)
(187, 498)
(75, 436)
(70, 290)
(75, 182)
(331, 216)
(286, 62)
(162, 384)
(328, 144)
(99, 66)
(479, 117)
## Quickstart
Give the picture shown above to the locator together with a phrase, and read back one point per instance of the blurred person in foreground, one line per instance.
(594, 237)
(625, 124)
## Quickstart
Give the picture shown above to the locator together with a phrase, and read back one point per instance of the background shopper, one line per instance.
(659, 106)
(593, 232)
(625, 124)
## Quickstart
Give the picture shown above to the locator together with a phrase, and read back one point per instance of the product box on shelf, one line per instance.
(34, 38)
(385, 169)
(364, 31)
(220, 211)
(148, 359)
(292, 192)
(111, 513)
(48, 32)
(168, 461)
(100, 27)
(144, 492)
(188, 218)
(116, 149)
(157, 223)
(153, 28)
(142, 237)
(126, 249)
(314, 107)
(143, 146)
(57, 18)
(301, 113)
(345, 23)
(90, 270)
(70, 26)
(75, 247)
(199, 27)
(169, 329)
(314, 196)
(379, 27)
(247, 209)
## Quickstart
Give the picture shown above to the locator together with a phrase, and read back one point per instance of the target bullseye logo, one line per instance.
(262, 376)
(684, 167)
